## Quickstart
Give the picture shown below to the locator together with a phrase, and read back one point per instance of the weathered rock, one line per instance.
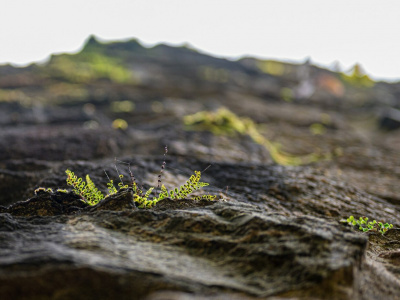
(123, 200)
(226, 247)
(47, 203)
(278, 241)
(274, 233)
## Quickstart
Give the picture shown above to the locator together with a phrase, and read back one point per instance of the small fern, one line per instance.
(178, 193)
(91, 195)
(87, 190)
(363, 225)
(111, 188)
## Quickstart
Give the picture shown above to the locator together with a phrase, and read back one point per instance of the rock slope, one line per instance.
(273, 233)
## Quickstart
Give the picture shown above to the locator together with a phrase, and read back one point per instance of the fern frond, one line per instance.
(142, 200)
(163, 194)
(135, 187)
(86, 190)
(148, 193)
(73, 181)
(111, 188)
(110, 185)
(91, 193)
(191, 185)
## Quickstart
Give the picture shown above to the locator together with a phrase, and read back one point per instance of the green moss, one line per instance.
(358, 78)
(225, 122)
(275, 68)
(85, 67)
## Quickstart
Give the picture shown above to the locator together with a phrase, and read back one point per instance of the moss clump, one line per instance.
(358, 78)
(85, 67)
(225, 122)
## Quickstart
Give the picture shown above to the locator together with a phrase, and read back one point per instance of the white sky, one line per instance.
(348, 31)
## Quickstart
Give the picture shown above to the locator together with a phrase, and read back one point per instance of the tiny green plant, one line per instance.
(110, 185)
(182, 192)
(178, 193)
(364, 225)
(91, 195)
(39, 190)
(87, 190)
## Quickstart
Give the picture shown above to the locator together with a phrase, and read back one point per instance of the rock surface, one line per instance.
(275, 239)
(273, 233)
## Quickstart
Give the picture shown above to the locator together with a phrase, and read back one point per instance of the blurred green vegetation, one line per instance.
(287, 94)
(225, 122)
(212, 74)
(68, 90)
(124, 106)
(271, 67)
(358, 77)
(87, 66)
(12, 96)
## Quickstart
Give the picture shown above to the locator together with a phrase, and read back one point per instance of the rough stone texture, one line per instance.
(226, 247)
(273, 233)
(277, 240)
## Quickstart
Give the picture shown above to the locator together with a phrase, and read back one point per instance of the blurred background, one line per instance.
(290, 83)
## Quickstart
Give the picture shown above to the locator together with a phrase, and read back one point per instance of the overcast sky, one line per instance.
(349, 31)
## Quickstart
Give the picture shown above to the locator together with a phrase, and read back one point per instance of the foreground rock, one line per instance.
(278, 241)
